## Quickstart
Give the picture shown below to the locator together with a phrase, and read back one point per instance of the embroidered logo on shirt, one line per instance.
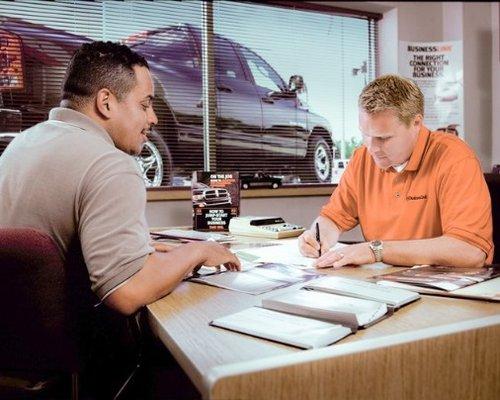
(421, 197)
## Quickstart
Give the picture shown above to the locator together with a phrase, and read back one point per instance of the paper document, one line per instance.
(190, 235)
(284, 253)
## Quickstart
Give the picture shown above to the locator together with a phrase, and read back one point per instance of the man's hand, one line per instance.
(214, 254)
(356, 254)
(163, 247)
(308, 245)
(329, 234)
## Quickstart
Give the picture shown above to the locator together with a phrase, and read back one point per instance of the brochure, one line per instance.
(441, 277)
(256, 278)
(216, 199)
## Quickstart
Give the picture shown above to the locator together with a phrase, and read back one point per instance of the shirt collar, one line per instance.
(418, 150)
(79, 120)
(400, 167)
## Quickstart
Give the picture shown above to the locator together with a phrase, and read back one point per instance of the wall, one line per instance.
(477, 39)
(476, 24)
(299, 210)
(440, 21)
(495, 82)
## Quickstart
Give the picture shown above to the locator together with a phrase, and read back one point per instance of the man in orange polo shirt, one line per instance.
(419, 196)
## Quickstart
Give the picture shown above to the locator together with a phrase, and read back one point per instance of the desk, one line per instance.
(435, 348)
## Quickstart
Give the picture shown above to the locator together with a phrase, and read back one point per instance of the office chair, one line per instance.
(493, 182)
(50, 324)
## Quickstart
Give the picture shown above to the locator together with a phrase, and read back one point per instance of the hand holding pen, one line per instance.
(318, 239)
(310, 242)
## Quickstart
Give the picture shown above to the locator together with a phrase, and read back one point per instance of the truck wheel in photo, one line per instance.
(155, 162)
(320, 158)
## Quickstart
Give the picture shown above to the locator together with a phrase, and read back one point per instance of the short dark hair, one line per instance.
(99, 65)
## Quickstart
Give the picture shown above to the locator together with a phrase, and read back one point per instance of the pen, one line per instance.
(318, 238)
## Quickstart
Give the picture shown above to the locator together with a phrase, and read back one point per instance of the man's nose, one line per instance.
(152, 118)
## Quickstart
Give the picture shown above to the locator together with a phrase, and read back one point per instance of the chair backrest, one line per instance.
(493, 181)
(44, 304)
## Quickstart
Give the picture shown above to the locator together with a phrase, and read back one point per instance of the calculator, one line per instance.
(267, 227)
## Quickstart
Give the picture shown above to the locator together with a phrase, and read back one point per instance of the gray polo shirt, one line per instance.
(64, 176)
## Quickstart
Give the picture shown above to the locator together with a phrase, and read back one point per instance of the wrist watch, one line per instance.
(377, 247)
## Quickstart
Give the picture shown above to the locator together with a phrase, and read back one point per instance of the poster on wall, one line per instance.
(437, 68)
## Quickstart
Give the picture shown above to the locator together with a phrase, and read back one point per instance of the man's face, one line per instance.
(389, 141)
(134, 116)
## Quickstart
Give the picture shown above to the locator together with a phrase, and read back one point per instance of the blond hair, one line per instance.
(393, 92)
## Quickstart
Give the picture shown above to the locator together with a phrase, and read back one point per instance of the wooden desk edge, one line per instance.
(174, 349)
(225, 381)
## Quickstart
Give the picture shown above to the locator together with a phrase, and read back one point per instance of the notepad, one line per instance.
(297, 331)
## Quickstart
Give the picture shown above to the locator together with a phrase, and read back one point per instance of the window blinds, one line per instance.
(286, 78)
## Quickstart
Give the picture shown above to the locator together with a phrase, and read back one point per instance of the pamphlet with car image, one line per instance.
(470, 283)
(442, 277)
(216, 199)
(256, 278)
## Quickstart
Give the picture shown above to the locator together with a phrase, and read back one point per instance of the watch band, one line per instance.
(377, 247)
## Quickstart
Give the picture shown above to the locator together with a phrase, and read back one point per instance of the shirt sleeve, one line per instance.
(112, 227)
(465, 205)
(342, 208)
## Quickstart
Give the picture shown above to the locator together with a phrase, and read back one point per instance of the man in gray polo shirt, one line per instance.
(73, 177)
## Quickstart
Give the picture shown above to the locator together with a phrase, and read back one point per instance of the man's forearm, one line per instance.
(160, 274)
(443, 250)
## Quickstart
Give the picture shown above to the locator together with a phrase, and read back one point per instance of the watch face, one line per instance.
(376, 243)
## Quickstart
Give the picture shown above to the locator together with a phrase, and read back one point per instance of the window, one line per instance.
(262, 72)
(167, 45)
(287, 78)
(227, 63)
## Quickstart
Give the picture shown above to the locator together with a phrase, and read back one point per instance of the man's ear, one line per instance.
(104, 102)
(418, 121)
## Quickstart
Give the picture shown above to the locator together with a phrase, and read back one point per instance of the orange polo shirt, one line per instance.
(441, 191)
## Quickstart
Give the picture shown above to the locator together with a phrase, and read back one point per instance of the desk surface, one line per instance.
(225, 364)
